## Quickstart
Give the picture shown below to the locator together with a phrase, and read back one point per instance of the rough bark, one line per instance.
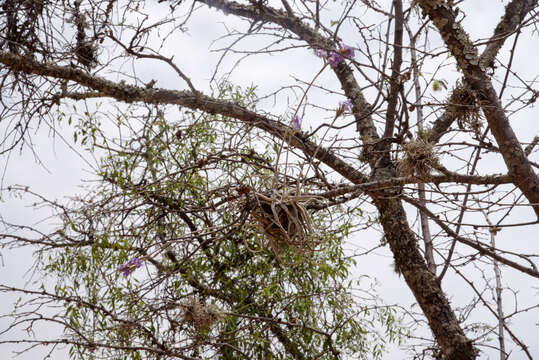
(402, 241)
(422, 282)
(515, 13)
(460, 46)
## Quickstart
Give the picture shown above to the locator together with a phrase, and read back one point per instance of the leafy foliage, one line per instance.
(165, 197)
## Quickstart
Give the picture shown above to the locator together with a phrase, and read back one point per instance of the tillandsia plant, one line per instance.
(252, 168)
(280, 214)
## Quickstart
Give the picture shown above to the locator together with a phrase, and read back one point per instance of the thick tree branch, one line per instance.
(515, 12)
(465, 53)
(361, 108)
(196, 101)
(422, 282)
(373, 186)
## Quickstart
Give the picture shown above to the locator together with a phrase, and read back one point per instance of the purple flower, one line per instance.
(347, 51)
(346, 105)
(334, 58)
(321, 53)
(130, 266)
(296, 123)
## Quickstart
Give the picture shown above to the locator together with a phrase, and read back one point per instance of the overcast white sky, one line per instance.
(62, 170)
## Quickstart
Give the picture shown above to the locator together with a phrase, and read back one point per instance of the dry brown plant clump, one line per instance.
(419, 159)
(463, 105)
(284, 221)
(201, 316)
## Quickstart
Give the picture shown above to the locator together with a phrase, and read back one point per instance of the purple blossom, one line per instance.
(130, 266)
(321, 53)
(335, 58)
(346, 105)
(296, 123)
(347, 51)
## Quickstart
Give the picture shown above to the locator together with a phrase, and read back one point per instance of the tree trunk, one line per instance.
(422, 282)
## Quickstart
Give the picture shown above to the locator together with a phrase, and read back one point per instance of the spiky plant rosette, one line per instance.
(463, 105)
(200, 315)
(283, 220)
(419, 158)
